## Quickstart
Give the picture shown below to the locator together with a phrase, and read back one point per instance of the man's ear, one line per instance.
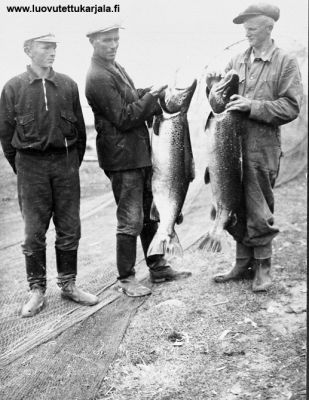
(27, 50)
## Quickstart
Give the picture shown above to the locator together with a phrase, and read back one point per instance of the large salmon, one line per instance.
(173, 167)
(224, 170)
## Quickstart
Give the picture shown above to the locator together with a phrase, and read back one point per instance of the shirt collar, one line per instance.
(33, 76)
(265, 57)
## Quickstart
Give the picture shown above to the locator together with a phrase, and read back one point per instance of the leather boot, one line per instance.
(36, 269)
(67, 270)
(126, 257)
(167, 273)
(35, 302)
(262, 280)
(125, 254)
(242, 269)
(36, 277)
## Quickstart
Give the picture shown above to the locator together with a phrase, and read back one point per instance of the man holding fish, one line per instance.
(269, 95)
(124, 153)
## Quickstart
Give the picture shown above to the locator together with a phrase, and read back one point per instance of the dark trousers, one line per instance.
(48, 187)
(133, 196)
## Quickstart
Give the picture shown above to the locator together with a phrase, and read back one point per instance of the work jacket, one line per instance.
(120, 112)
(273, 84)
(40, 115)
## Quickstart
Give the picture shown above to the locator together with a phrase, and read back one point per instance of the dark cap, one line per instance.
(254, 10)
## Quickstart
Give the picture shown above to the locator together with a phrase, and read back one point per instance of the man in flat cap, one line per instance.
(43, 137)
(123, 148)
(270, 95)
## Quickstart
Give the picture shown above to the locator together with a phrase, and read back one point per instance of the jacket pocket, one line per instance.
(67, 124)
(26, 127)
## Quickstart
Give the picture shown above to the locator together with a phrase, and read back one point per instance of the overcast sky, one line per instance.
(159, 36)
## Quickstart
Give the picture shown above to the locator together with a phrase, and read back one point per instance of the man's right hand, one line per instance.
(156, 90)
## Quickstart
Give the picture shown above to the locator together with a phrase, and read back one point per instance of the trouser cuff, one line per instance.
(263, 252)
(64, 279)
(243, 252)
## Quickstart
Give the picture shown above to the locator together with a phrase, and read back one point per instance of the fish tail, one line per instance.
(168, 245)
(210, 242)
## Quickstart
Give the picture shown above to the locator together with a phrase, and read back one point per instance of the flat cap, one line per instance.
(105, 28)
(49, 37)
(254, 10)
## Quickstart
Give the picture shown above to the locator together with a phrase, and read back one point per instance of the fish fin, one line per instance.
(207, 176)
(213, 212)
(179, 219)
(154, 213)
(156, 124)
(165, 245)
(210, 242)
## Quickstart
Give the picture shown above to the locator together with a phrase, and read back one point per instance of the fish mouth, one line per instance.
(228, 85)
(177, 99)
(222, 91)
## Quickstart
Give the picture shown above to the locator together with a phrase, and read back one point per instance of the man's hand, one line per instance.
(238, 103)
(157, 90)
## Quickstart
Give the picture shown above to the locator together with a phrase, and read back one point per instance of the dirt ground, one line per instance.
(195, 339)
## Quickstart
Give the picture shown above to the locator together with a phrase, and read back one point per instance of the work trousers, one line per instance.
(261, 161)
(48, 187)
(133, 196)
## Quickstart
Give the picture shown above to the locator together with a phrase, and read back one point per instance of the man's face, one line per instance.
(257, 31)
(42, 54)
(106, 44)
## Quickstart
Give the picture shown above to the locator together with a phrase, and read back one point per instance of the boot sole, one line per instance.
(130, 294)
(169, 279)
(83, 303)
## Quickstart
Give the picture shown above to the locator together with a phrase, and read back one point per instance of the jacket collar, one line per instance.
(33, 76)
(113, 69)
(265, 57)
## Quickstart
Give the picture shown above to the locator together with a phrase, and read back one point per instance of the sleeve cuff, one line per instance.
(256, 109)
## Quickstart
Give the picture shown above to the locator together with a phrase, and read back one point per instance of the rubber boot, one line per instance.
(242, 269)
(126, 257)
(36, 277)
(67, 270)
(262, 280)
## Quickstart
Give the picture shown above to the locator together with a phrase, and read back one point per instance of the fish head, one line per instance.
(221, 91)
(177, 99)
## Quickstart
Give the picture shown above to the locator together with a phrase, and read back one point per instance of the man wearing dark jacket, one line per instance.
(43, 137)
(123, 148)
(270, 95)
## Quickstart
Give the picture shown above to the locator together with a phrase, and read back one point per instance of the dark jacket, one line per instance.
(41, 115)
(120, 113)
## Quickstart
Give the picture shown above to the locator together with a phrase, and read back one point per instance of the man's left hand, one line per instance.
(238, 103)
